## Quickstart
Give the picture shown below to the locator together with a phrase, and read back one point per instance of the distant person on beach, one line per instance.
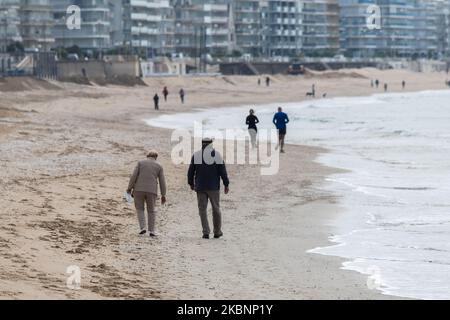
(371, 83)
(377, 83)
(165, 93)
(205, 171)
(403, 84)
(313, 92)
(280, 119)
(143, 186)
(259, 81)
(252, 121)
(385, 87)
(156, 101)
(268, 81)
(182, 93)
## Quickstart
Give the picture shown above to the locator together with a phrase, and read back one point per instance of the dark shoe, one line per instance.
(217, 236)
(143, 232)
(152, 235)
(206, 236)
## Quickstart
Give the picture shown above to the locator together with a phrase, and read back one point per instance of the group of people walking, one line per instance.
(280, 120)
(165, 94)
(267, 80)
(376, 84)
(203, 177)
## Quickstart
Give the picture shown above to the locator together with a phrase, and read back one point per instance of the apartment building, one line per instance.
(94, 34)
(301, 27)
(320, 27)
(282, 33)
(9, 23)
(408, 28)
(357, 38)
(203, 26)
(443, 27)
(148, 26)
(116, 14)
(36, 23)
(248, 25)
(426, 28)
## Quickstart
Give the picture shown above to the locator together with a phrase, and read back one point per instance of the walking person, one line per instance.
(267, 81)
(143, 186)
(206, 170)
(259, 81)
(280, 119)
(252, 121)
(385, 87)
(403, 84)
(182, 94)
(165, 93)
(156, 101)
(377, 83)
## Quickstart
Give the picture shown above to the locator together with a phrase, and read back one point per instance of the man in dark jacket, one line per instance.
(206, 169)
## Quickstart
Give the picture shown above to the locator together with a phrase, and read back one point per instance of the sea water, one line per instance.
(395, 226)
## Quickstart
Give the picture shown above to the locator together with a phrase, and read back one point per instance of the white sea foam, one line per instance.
(396, 225)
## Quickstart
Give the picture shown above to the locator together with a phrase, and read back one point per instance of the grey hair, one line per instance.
(152, 154)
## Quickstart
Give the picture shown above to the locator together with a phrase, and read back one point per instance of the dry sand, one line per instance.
(66, 152)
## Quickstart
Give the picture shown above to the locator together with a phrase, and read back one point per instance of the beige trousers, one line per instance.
(214, 198)
(140, 199)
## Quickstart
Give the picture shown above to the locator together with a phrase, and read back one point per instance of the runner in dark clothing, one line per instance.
(252, 121)
(280, 120)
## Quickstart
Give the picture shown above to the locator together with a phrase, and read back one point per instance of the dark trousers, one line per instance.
(214, 197)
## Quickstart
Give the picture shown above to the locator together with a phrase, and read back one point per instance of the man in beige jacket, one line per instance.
(143, 186)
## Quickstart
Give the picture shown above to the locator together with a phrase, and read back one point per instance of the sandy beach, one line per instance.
(67, 151)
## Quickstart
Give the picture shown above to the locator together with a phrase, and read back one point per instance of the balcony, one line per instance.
(145, 17)
(147, 4)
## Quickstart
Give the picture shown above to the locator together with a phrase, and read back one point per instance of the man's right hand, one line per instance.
(227, 190)
(192, 187)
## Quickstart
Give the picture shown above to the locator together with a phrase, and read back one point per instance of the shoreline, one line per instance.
(68, 158)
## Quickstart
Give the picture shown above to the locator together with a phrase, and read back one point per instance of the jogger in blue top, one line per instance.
(280, 119)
